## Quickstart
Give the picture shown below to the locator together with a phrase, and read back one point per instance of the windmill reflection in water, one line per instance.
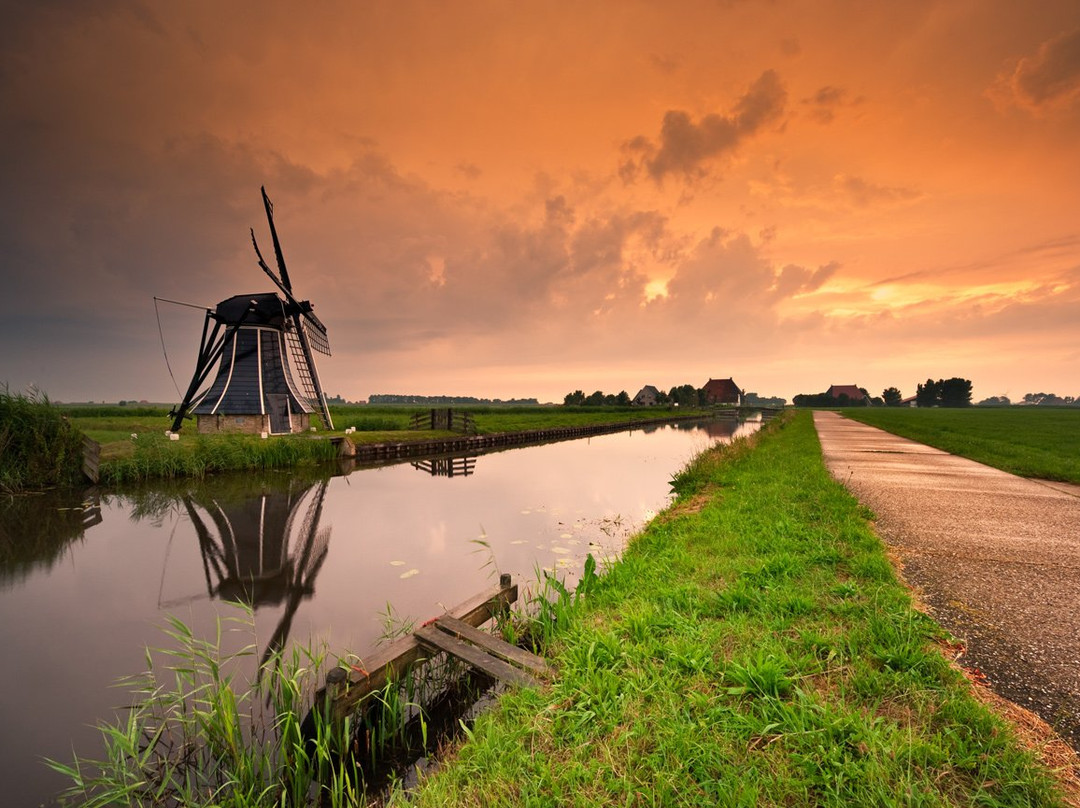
(264, 548)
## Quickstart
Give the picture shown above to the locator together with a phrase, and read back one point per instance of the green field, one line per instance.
(1029, 441)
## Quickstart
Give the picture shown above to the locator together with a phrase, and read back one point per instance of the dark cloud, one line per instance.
(686, 146)
(1048, 78)
(792, 280)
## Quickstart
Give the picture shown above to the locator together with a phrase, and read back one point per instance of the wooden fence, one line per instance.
(444, 418)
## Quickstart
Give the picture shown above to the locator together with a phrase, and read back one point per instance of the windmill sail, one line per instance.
(308, 330)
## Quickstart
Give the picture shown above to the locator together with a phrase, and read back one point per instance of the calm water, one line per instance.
(85, 587)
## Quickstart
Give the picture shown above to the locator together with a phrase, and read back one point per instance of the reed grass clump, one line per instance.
(199, 733)
(38, 447)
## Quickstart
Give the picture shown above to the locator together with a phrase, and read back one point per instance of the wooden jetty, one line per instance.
(455, 633)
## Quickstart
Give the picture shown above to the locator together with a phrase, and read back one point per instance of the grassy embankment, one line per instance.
(38, 448)
(1029, 441)
(752, 647)
(152, 455)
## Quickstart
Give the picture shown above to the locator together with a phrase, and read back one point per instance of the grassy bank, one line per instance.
(1040, 442)
(39, 448)
(149, 455)
(752, 647)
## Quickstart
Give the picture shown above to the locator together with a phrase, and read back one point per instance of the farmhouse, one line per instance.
(648, 396)
(851, 392)
(722, 391)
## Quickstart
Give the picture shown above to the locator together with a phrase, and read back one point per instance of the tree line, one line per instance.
(954, 392)
(685, 395)
(426, 400)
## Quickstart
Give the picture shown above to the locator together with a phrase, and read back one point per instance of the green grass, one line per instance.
(752, 647)
(151, 456)
(1041, 442)
(39, 448)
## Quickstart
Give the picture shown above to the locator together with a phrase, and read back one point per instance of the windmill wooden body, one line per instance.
(262, 346)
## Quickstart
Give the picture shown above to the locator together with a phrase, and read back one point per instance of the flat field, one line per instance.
(1029, 441)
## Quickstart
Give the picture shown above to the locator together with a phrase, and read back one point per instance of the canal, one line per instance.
(339, 558)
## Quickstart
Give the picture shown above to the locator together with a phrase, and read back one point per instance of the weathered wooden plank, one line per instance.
(493, 645)
(91, 459)
(394, 660)
(477, 657)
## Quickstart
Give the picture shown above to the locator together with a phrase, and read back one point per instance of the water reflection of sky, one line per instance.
(321, 559)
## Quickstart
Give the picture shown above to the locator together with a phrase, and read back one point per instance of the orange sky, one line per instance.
(520, 199)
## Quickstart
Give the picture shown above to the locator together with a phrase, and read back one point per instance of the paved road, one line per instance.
(996, 558)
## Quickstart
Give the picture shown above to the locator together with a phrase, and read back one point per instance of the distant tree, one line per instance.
(1049, 400)
(892, 397)
(686, 396)
(754, 400)
(877, 401)
(927, 395)
(821, 400)
(576, 398)
(622, 399)
(595, 399)
(994, 401)
(955, 392)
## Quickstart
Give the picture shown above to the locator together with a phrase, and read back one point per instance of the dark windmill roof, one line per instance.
(266, 309)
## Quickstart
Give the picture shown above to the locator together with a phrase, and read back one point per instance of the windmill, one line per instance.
(257, 342)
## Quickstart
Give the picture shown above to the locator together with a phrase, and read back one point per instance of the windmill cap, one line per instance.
(269, 310)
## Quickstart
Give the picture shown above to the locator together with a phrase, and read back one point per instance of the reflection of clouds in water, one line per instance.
(397, 563)
(410, 573)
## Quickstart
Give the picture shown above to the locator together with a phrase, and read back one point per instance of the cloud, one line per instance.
(793, 280)
(1048, 79)
(864, 194)
(824, 104)
(686, 146)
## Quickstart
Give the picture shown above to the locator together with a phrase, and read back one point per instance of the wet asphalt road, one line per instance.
(996, 558)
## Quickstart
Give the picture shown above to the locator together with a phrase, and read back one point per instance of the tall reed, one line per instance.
(199, 734)
(38, 447)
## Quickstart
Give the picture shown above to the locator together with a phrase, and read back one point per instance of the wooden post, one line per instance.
(91, 459)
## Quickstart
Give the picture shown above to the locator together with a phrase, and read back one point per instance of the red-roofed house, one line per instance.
(722, 391)
(850, 391)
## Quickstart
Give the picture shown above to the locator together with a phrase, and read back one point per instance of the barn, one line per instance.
(722, 391)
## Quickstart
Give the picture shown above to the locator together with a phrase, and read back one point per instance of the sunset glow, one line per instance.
(524, 199)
